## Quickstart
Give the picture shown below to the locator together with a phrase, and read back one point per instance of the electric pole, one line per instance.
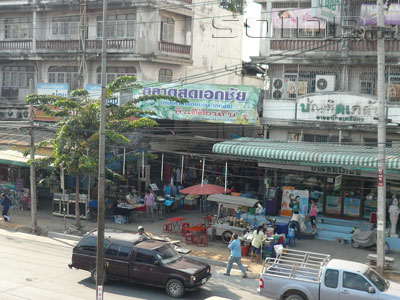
(82, 43)
(100, 267)
(381, 180)
(32, 166)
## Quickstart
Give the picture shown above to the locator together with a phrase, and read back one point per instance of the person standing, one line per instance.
(149, 202)
(257, 242)
(313, 214)
(6, 203)
(236, 256)
(295, 220)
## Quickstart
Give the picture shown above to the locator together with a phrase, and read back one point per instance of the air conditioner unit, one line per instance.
(325, 83)
(279, 88)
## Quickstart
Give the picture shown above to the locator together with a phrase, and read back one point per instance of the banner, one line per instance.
(206, 102)
(53, 89)
(369, 15)
(289, 194)
(296, 18)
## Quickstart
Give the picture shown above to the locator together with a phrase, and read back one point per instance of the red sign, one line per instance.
(381, 177)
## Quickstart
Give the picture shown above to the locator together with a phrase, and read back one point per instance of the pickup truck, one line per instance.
(135, 258)
(300, 275)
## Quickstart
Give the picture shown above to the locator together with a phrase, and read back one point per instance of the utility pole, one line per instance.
(82, 43)
(32, 166)
(100, 267)
(381, 180)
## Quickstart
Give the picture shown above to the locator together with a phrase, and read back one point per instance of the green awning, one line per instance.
(263, 150)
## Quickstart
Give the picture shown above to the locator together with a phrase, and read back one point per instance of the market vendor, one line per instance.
(168, 189)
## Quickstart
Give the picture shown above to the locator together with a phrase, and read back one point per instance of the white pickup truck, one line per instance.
(300, 275)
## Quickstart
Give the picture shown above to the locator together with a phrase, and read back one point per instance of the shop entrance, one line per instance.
(346, 201)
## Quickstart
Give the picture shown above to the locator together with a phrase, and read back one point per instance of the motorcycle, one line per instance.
(366, 239)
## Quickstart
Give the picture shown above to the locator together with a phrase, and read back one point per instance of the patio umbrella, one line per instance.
(204, 189)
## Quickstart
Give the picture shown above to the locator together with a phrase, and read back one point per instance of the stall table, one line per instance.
(126, 210)
(176, 223)
(197, 231)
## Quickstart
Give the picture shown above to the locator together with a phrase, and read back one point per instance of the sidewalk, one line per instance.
(21, 221)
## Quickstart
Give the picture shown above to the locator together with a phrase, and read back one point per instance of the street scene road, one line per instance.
(34, 268)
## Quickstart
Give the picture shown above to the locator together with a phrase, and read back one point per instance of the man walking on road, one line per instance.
(6, 203)
(236, 256)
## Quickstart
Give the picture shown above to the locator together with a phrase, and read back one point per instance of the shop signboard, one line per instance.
(53, 89)
(94, 91)
(351, 207)
(289, 194)
(296, 18)
(338, 182)
(19, 185)
(369, 14)
(338, 108)
(381, 177)
(206, 102)
(329, 10)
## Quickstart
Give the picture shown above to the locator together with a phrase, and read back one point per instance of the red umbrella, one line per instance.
(205, 189)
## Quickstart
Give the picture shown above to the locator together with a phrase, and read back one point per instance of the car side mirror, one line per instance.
(156, 263)
(371, 290)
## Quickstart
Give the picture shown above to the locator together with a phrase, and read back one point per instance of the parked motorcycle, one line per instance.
(366, 239)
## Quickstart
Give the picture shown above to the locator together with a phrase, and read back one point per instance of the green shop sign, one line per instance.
(206, 102)
(329, 10)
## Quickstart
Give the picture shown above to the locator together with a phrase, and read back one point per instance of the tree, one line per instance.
(76, 142)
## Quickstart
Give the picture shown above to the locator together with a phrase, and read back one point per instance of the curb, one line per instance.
(64, 236)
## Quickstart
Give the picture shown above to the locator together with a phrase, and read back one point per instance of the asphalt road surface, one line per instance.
(35, 268)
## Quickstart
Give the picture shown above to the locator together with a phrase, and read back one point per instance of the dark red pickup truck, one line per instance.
(129, 257)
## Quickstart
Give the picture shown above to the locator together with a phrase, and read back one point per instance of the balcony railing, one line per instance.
(391, 46)
(62, 45)
(174, 48)
(16, 45)
(303, 45)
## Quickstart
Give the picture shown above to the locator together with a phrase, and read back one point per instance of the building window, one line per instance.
(368, 83)
(17, 76)
(118, 26)
(17, 28)
(64, 75)
(165, 75)
(14, 78)
(167, 29)
(65, 26)
(115, 72)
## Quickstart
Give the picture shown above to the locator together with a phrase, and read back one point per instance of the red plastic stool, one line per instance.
(203, 240)
(190, 238)
(167, 227)
(185, 227)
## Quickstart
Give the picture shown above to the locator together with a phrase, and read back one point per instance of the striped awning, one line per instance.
(263, 150)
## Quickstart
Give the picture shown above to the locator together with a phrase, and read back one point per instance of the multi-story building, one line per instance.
(60, 42)
(322, 67)
(309, 58)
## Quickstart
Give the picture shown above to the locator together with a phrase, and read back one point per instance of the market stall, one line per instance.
(228, 219)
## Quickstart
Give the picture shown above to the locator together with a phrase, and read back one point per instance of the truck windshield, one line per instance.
(377, 280)
(167, 254)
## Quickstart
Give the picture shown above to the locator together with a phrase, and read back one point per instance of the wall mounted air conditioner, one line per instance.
(325, 83)
(279, 88)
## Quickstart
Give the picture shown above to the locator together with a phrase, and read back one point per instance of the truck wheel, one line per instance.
(295, 297)
(175, 288)
(226, 236)
(93, 275)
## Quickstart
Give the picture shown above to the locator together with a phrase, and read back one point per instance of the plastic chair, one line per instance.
(190, 238)
(167, 227)
(291, 237)
(185, 227)
(203, 240)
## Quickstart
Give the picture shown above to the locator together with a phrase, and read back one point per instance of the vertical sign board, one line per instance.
(338, 183)
(381, 177)
(329, 10)
(100, 292)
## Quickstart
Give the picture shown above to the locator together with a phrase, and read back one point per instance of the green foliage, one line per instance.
(234, 6)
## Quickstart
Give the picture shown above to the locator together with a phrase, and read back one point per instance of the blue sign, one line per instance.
(53, 89)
